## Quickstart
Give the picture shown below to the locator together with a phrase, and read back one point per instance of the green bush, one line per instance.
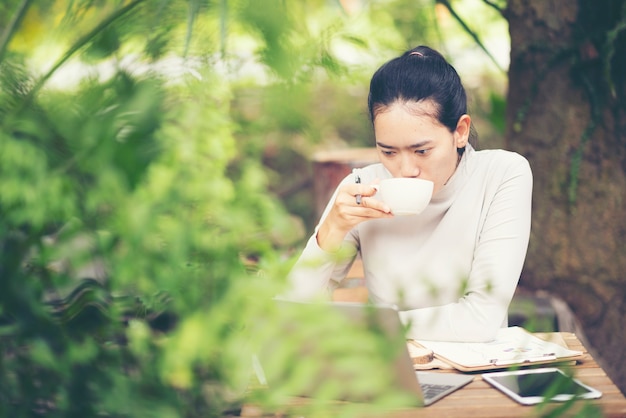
(140, 239)
(124, 182)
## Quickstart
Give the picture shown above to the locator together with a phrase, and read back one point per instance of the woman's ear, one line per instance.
(461, 134)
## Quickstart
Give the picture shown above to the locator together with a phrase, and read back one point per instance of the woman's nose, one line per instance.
(408, 167)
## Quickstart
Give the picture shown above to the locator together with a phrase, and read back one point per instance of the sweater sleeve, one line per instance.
(318, 272)
(496, 267)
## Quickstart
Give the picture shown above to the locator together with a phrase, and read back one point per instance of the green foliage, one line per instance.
(414, 20)
(140, 241)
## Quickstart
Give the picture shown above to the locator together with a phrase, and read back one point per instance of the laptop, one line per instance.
(336, 367)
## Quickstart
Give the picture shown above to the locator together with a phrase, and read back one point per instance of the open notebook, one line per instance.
(512, 347)
(424, 388)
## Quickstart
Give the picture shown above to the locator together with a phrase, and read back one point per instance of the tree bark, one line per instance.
(567, 114)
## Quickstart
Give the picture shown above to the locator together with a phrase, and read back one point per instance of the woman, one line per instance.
(451, 270)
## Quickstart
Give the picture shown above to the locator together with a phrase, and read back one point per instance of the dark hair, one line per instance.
(417, 75)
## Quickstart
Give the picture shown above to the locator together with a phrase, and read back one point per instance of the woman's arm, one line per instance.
(317, 272)
(331, 250)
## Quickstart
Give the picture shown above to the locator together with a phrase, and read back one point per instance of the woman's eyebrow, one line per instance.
(380, 144)
(416, 145)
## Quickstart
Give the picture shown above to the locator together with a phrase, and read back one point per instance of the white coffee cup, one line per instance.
(405, 196)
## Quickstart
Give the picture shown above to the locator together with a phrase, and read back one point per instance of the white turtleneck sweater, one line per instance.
(451, 270)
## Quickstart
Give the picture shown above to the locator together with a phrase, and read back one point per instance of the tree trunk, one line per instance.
(567, 114)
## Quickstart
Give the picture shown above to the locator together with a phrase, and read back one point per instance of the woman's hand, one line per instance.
(354, 204)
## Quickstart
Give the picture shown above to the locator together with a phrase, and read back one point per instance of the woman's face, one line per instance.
(412, 143)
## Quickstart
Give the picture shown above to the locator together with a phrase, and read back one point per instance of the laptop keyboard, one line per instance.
(431, 390)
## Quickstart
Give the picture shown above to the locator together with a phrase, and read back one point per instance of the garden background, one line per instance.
(156, 179)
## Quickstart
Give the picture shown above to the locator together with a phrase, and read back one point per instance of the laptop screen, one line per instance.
(346, 351)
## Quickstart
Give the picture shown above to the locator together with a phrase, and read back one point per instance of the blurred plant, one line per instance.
(140, 244)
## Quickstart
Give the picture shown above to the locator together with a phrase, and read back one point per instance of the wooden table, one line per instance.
(479, 399)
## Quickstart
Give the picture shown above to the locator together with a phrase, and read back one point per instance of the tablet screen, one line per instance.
(538, 385)
(541, 384)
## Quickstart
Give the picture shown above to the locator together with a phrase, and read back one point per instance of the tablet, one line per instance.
(533, 386)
